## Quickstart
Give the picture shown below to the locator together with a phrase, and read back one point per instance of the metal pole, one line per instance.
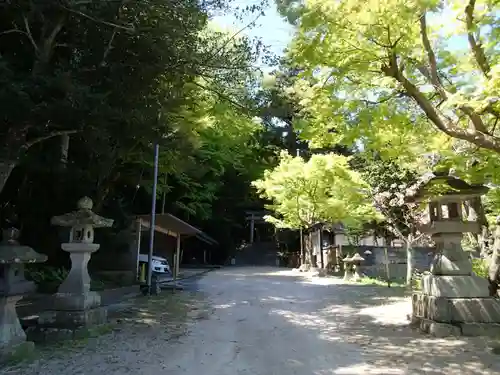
(178, 256)
(138, 230)
(301, 236)
(252, 228)
(152, 220)
(164, 198)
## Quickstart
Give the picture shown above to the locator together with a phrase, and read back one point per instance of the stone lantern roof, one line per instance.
(12, 252)
(436, 186)
(82, 216)
(357, 258)
(347, 259)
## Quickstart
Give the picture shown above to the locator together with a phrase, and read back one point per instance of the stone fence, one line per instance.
(374, 264)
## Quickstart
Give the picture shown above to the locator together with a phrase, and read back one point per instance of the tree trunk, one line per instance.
(6, 167)
(494, 264)
(321, 249)
(409, 262)
(64, 150)
(302, 247)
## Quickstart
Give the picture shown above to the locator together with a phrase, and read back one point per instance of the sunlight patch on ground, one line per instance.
(366, 369)
(304, 320)
(279, 299)
(276, 272)
(225, 306)
(259, 272)
(314, 280)
(388, 314)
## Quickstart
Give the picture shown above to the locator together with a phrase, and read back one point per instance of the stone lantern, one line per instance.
(453, 299)
(347, 267)
(356, 265)
(13, 286)
(74, 303)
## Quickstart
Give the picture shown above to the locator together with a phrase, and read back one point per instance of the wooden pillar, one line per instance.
(177, 256)
(138, 231)
(252, 228)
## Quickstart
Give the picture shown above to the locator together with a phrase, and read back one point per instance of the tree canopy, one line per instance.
(322, 189)
(116, 77)
(399, 77)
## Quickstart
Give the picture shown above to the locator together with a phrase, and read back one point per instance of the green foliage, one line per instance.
(46, 278)
(404, 78)
(388, 185)
(480, 267)
(119, 77)
(322, 189)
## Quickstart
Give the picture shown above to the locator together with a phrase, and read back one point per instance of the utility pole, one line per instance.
(302, 253)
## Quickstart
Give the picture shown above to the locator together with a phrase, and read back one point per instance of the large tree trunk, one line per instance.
(6, 167)
(409, 261)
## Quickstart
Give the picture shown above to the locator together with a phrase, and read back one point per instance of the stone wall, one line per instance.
(374, 264)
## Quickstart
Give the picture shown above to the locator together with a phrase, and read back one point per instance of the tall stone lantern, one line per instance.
(453, 300)
(74, 303)
(13, 286)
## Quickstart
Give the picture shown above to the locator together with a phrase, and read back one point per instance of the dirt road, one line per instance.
(269, 322)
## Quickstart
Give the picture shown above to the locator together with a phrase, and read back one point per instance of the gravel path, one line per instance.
(264, 321)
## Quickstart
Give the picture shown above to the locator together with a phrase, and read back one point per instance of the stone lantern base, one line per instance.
(71, 316)
(454, 306)
(12, 336)
(79, 309)
(57, 325)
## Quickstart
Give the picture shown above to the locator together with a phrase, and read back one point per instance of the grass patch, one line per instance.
(380, 282)
(23, 353)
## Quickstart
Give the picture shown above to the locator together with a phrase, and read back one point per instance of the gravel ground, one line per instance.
(268, 322)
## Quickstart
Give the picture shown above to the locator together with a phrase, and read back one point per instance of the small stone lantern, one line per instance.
(347, 267)
(453, 300)
(74, 293)
(356, 264)
(13, 286)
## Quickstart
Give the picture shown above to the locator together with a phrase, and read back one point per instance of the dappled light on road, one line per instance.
(262, 321)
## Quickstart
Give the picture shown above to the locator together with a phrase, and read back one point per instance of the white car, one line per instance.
(160, 265)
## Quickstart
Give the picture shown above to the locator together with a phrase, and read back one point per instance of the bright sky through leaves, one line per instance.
(274, 32)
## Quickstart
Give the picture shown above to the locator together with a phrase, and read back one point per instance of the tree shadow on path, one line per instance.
(373, 320)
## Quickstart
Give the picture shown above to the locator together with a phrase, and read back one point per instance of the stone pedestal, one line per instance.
(444, 316)
(78, 279)
(458, 286)
(357, 275)
(454, 305)
(74, 305)
(347, 274)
